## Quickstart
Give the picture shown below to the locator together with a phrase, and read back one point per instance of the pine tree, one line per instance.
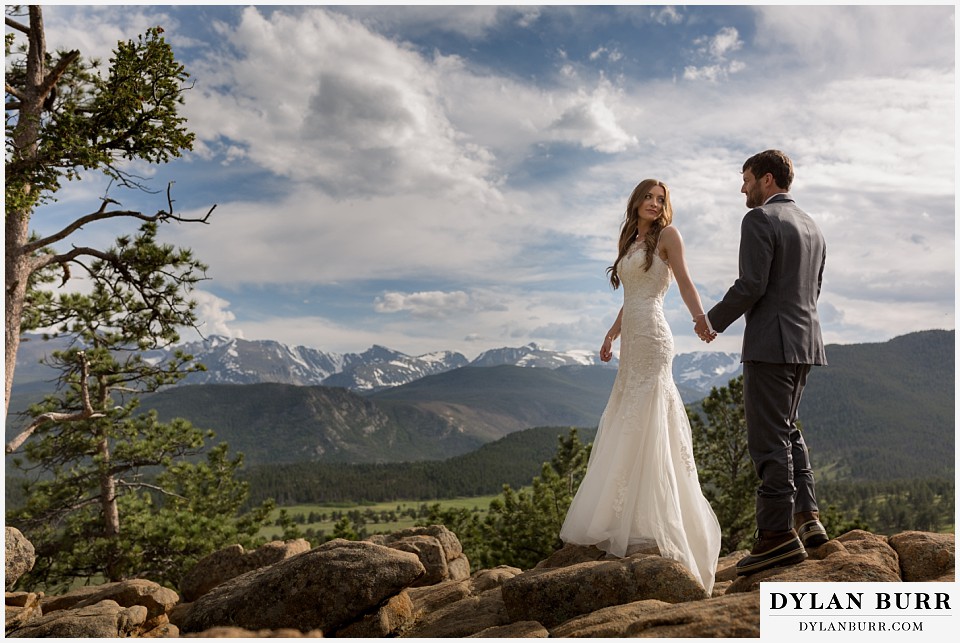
(726, 471)
(113, 493)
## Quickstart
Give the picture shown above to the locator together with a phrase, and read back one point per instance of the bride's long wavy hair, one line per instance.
(630, 226)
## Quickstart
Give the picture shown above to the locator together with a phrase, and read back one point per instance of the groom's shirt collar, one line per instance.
(770, 198)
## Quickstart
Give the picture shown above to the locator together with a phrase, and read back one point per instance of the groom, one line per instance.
(782, 255)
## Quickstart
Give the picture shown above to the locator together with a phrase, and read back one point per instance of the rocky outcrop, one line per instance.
(105, 619)
(156, 600)
(395, 586)
(230, 562)
(19, 556)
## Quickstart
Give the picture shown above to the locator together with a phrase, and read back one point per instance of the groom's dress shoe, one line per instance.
(809, 529)
(772, 549)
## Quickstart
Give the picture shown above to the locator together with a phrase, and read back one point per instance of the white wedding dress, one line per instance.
(641, 482)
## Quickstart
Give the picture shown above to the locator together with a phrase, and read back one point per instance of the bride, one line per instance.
(641, 480)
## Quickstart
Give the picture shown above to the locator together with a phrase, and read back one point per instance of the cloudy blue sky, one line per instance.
(453, 178)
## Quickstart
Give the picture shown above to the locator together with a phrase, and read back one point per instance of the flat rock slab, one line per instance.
(552, 596)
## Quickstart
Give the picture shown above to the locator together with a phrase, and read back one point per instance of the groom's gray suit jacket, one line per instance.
(782, 254)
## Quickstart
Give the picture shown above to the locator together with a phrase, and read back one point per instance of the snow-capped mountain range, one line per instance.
(240, 361)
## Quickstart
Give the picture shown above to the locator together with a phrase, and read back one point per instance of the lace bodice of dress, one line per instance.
(640, 283)
(646, 345)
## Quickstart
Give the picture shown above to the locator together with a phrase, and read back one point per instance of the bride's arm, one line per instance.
(606, 351)
(672, 243)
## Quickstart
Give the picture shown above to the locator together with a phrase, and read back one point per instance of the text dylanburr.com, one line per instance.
(848, 611)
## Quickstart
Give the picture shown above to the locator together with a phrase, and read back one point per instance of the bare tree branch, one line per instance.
(141, 485)
(51, 80)
(13, 24)
(102, 214)
(87, 413)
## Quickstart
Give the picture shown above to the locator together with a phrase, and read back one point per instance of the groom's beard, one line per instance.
(754, 197)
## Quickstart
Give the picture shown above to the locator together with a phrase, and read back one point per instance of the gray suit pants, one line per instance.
(771, 396)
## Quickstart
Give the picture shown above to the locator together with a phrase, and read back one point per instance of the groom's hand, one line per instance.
(702, 330)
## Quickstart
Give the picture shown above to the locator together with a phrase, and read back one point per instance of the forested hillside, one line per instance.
(884, 411)
(512, 460)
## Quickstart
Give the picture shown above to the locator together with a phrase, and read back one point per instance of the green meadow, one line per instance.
(317, 521)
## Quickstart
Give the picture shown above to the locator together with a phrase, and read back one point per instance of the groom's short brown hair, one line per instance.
(772, 162)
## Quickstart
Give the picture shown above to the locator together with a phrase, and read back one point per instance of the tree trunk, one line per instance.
(16, 274)
(108, 505)
(26, 137)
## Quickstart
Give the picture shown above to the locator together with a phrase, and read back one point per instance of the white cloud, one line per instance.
(371, 116)
(667, 16)
(613, 55)
(311, 238)
(723, 42)
(593, 123)
(472, 21)
(715, 49)
(357, 113)
(432, 303)
(96, 30)
(214, 316)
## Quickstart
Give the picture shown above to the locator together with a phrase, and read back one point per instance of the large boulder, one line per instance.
(326, 588)
(924, 556)
(232, 561)
(105, 619)
(20, 556)
(438, 549)
(551, 596)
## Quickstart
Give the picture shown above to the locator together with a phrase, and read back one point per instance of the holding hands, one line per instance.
(702, 328)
